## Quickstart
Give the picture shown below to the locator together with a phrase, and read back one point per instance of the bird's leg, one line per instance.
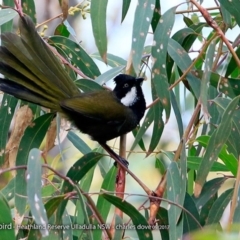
(116, 157)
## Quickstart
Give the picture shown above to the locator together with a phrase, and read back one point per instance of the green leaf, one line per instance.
(78, 143)
(205, 208)
(140, 223)
(67, 233)
(86, 181)
(228, 86)
(183, 61)
(236, 216)
(173, 192)
(62, 30)
(187, 21)
(183, 175)
(232, 7)
(7, 230)
(6, 114)
(34, 182)
(49, 190)
(9, 190)
(147, 122)
(159, 55)
(156, 15)
(29, 9)
(140, 142)
(160, 166)
(32, 138)
(193, 162)
(79, 218)
(76, 173)
(182, 34)
(212, 108)
(125, 7)
(112, 60)
(158, 124)
(181, 37)
(189, 223)
(204, 96)
(118, 232)
(232, 65)
(102, 204)
(217, 209)
(190, 39)
(69, 28)
(87, 85)
(98, 17)
(216, 142)
(7, 15)
(209, 189)
(8, 26)
(226, 17)
(186, 37)
(234, 136)
(52, 205)
(177, 112)
(76, 54)
(140, 29)
(229, 160)
(108, 75)
(162, 216)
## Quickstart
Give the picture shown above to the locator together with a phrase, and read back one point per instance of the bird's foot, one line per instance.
(123, 161)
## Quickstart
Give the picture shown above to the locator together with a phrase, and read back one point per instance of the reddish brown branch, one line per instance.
(19, 7)
(215, 26)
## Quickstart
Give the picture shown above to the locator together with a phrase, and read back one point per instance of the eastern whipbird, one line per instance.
(33, 73)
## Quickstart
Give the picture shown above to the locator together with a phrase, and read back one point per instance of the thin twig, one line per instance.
(55, 17)
(162, 185)
(89, 199)
(77, 70)
(59, 174)
(234, 199)
(196, 10)
(157, 199)
(183, 76)
(2, 171)
(19, 7)
(187, 131)
(94, 209)
(203, 50)
(215, 26)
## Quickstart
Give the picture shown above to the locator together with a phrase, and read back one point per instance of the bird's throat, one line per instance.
(130, 98)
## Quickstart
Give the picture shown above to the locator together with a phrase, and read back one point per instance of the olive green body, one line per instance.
(100, 114)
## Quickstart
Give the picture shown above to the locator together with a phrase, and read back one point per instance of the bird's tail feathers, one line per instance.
(31, 66)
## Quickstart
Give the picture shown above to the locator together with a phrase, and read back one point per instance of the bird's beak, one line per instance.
(139, 80)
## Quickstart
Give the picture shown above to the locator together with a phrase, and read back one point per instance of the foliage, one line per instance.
(55, 204)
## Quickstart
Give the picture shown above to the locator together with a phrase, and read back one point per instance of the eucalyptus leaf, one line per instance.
(7, 232)
(140, 30)
(32, 138)
(76, 173)
(140, 223)
(98, 17)
(34, 182)
(7, 15)
(159, 54)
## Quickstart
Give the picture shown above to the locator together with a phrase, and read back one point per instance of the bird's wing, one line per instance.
(100, 105)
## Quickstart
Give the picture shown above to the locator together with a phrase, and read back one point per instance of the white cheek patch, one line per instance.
(130, 97)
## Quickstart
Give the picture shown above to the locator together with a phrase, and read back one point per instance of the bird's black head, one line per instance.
(128, 90)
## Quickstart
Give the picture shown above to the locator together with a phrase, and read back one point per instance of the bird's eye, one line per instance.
(125, 85)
